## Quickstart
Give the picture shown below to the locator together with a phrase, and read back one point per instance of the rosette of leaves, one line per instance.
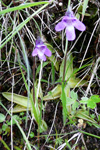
(70, 78)
(23, 103)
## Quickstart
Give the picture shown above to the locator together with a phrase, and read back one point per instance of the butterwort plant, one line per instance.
(69, 23)
(41, 50)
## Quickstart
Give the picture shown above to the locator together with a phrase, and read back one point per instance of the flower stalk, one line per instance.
(34, 80)
(69, 2)
(40, 76)
(65, 59)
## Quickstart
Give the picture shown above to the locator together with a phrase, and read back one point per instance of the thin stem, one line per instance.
(65, 59)
(12, 112)
(63, 96)
(69, 2)
(4, 143)
(33, 79)
(39, 124)
(40, 75)
(93, 75)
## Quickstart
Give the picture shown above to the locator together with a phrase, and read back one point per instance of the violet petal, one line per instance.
(35, 52)
(79, 25)
(70, 33)
(47, 52)
(60, 26)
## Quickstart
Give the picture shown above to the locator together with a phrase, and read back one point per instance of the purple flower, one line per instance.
(70, 22)
(41, 50)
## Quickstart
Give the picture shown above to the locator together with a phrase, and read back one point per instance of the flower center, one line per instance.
(40, 52)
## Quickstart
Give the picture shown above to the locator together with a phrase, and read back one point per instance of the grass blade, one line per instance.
(22, 6)
(19, 27)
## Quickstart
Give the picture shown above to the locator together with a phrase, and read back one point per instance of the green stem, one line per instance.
(39, 124)
(63, 96)
(89, 134)
(5, 145)
(69, 2)
(65, 59)
(40, 76)
(33, 79)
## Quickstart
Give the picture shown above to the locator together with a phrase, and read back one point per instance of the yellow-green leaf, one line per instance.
(69, 67)
(54, 94)
(19, 108)
(75, 82)
(18, 99)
